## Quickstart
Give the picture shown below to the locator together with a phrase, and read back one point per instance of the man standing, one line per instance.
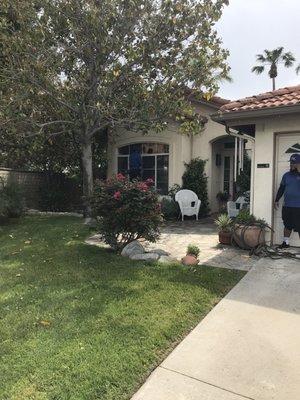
(290, 188)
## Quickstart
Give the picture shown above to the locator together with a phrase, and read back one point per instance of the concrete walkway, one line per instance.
(247, 347)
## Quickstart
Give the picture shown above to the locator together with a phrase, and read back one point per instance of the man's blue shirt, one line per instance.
(291, 184)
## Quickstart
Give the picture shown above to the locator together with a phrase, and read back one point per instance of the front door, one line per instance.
(286, 144)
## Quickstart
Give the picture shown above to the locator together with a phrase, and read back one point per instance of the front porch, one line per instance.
(230, 159)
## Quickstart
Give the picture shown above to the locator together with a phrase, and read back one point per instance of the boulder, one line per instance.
(160, 252)
(132, 249)
(167, 260)
(145, 257)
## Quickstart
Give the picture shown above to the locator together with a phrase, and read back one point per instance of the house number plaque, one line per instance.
(263, 165)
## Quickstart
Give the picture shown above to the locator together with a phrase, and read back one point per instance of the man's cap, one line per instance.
(295, 158)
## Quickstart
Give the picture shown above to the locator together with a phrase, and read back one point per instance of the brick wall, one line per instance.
(30, 181)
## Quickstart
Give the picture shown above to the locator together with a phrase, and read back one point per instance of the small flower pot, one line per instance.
(225, 237)
(189, 259)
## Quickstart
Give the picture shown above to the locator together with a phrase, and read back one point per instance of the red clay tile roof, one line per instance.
(215, 100)
(219, 101)
(288, 96)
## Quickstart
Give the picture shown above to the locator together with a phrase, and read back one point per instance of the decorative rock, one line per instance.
(167, 260)
(145, 257)
(189, 260)
(160, 252)
(133, 248)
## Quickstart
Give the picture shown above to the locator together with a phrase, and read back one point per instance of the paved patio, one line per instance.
(176, 236)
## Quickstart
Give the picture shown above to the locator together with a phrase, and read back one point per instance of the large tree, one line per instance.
(82, 66)
(270, 59)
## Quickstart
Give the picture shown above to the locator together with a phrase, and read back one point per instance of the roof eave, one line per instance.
(222, 117)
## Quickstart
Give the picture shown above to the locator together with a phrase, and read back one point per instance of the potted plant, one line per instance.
(224, 224)
(249, 231)
(192, 254)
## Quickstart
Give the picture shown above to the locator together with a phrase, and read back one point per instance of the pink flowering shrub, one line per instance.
(126, 211)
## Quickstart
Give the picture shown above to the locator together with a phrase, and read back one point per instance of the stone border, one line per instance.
(136, 251)
(53, 213)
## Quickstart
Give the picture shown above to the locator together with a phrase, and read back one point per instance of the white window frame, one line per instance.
(155, 155)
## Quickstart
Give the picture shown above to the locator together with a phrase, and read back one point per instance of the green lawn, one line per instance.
(79, 322)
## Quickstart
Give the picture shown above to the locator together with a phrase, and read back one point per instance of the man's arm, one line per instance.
(280, 191)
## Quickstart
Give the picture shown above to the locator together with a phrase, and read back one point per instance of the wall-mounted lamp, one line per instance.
(218, 160)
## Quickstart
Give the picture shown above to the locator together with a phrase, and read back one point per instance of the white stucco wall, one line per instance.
(263, 178)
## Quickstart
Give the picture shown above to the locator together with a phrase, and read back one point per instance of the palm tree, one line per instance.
(298, 69)
(272, 58)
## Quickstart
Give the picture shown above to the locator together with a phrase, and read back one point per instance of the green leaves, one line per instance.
(77, 55)
(75, 68)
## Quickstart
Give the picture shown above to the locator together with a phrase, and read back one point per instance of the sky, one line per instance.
(247, 27)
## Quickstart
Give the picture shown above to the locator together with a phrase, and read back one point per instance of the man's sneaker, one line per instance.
(284, 246)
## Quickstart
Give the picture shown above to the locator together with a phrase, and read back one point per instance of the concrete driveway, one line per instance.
(247, 347)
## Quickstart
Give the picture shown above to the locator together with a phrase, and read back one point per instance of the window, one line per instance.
(155, 162)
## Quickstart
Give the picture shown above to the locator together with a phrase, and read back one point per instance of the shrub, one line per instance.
(195, 179)
(223, 197)
(169, 209)
(245, 218)
(173, 190)
(60, 193)
(193, 250)
(126, 211)
(11, 200)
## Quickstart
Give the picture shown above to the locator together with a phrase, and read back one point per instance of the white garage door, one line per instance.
(286, 144)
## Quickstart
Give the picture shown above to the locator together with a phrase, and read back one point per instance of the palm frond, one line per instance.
(258, 69)
(298, 69)
(274, 56)
(288, 59)
(268, 55)
(278, 51)
(261, 58)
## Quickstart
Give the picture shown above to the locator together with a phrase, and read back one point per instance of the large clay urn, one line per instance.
(249, 236)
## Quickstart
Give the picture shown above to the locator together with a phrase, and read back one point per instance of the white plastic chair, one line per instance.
(189, 203)
(234, 207)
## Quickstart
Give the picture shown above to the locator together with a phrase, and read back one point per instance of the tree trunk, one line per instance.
(273, 81)
(87, 177)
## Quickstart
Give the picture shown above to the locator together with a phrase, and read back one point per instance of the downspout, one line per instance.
(235, 161)
(248, 137)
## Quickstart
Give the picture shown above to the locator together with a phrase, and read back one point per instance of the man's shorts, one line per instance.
(291, 218)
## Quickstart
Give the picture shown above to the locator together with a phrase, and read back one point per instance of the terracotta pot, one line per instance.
(225, 237)
(248, 237)
(189, 260)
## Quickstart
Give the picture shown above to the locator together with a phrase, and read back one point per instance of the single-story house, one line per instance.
(272, 119)
(164, 154)
(266, 125)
